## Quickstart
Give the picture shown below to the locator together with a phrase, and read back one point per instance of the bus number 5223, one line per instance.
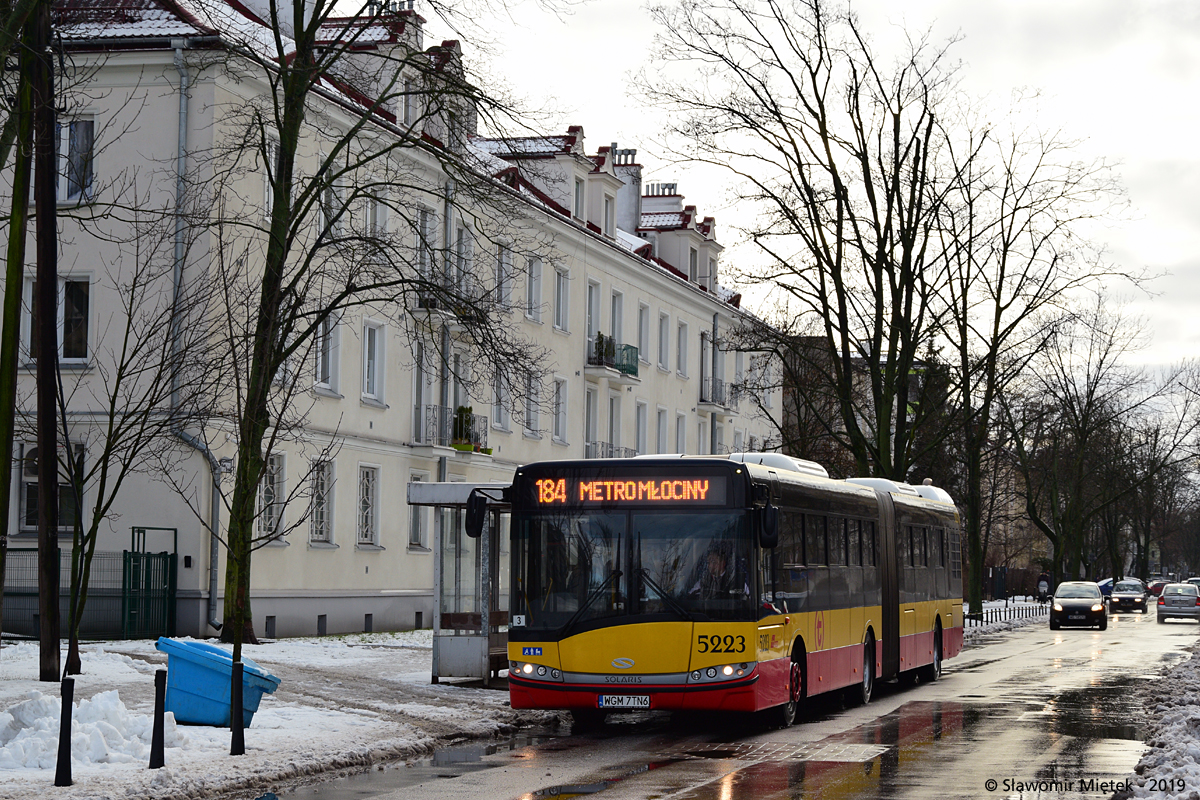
(721, 644)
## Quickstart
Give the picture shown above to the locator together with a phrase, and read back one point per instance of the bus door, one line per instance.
(889, 578)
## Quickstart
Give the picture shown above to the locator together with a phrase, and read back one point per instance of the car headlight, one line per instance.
(1098, 607)
(1058, 606)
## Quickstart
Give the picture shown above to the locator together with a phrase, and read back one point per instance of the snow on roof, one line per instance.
(630, 242)
(91, 19)
(526, 145)
(664, 219)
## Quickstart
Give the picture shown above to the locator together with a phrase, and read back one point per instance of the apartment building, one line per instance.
(622, 294)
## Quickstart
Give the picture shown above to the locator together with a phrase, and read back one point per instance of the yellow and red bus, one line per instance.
(742, 583)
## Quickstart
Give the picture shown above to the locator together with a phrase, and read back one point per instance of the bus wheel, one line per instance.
(860, 694)
(931, 672)
(783, 716)
(586, 719)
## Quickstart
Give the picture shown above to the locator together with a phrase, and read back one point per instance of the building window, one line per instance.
(503, 273)
(377, 216)
(614, 420)
(693, 258)
(561, 284)
(737, 441)
(664, 341)
(532, 391)
(500, 403)
(641, 421)
(74, 311)
(593, 310)
(560, 409)
(331, 207)
(410, 102)
(661, 431)
(271, 497)
(426, 239)
(320, 520)
(75, 146)
(368, 505)
(372, 384)
(270, 170)
(416, 522)
(608, 215)
(643, 333)
(681, 349)
(325, 368)
(618, 317)
(533, 291)
(68, 509)
(680, 433)
(578, 199)
(462, 259)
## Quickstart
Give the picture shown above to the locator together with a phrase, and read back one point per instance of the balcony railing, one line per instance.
(445, 427)
(713, 390)
(607, 450)
(603, 351)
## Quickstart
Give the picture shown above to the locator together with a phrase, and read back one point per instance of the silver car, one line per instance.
(1179, 600)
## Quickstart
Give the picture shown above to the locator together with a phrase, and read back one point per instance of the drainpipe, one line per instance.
(214, 466)
(712, 425)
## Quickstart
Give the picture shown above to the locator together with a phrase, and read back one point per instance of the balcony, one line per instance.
(714, 395)
(619, 362)
(442, 426)
(607, 450)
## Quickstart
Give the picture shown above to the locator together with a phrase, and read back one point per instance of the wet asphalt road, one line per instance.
(1040, 713)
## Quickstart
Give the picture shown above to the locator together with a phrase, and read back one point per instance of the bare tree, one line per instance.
(841, 155)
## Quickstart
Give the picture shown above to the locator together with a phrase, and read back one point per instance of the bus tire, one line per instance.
(860, 694)
(784, 715)
(931, 672)
(586, 719)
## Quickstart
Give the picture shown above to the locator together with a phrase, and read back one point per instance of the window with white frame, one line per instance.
(320, 515)
(372, 377)
(504, 264)
(376, 215)
(270, 169)
(617, 318)
(271, 497)
(614, 420)
(325, 355)
(693, 258)
(680, 433)
(533, 290)
(702, 438)
(578, 198)
(500, 403)
(410, 102)
(738, 438)
(416, 519)
(641, 423)
(664, 341)
(462, 260)
(560, 409)
(368, 505)
(331, 210)
(426, 241)
(532, 397)
(73, 307)
(609, 212)
(68, 508)
(75, 152)
(561, 286)
(681, 349)
(593, 309)
(660, 430)
(643, 333)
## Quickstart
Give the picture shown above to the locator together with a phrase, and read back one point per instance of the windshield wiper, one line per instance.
(612, 576)
(666, 598)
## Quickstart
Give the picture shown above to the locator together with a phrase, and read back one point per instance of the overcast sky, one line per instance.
(1123, 75)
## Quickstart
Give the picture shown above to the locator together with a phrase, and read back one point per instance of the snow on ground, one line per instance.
(343, 702)
(346, 702)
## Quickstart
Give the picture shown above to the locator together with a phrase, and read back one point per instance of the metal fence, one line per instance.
(130, 595)
(1005, 613)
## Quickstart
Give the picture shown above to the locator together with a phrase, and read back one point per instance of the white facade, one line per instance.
(382, 408)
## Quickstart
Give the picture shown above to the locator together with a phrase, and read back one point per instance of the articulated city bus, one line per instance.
(721, 584)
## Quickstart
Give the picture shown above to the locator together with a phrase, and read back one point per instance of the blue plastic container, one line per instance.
(198, 678)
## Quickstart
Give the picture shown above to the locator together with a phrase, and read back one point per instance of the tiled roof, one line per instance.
(664, 219)
(526, 145)
(91, 19)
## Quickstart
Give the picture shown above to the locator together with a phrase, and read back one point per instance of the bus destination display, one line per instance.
(691, 490)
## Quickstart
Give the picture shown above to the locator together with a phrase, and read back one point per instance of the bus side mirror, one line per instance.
(768, 534)
(476, 514)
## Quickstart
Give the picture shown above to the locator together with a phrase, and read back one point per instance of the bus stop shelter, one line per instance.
(470, 581)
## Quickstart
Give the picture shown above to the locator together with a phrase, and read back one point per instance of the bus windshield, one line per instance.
(573, 568)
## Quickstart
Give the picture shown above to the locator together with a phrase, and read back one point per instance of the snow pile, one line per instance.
(103, 731)
(1173, 758)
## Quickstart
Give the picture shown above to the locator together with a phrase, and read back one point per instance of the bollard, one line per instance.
(62, 774)
(237, 739)
(156, 739)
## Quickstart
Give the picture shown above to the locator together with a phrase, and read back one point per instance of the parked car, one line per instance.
(1106, 586)
(1194, 581)
(1078, 603)
(1179, 601)
(1128, 595)
(1155, 587)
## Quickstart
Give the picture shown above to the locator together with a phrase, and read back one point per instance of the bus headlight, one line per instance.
(727, 670)
(527, 669)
